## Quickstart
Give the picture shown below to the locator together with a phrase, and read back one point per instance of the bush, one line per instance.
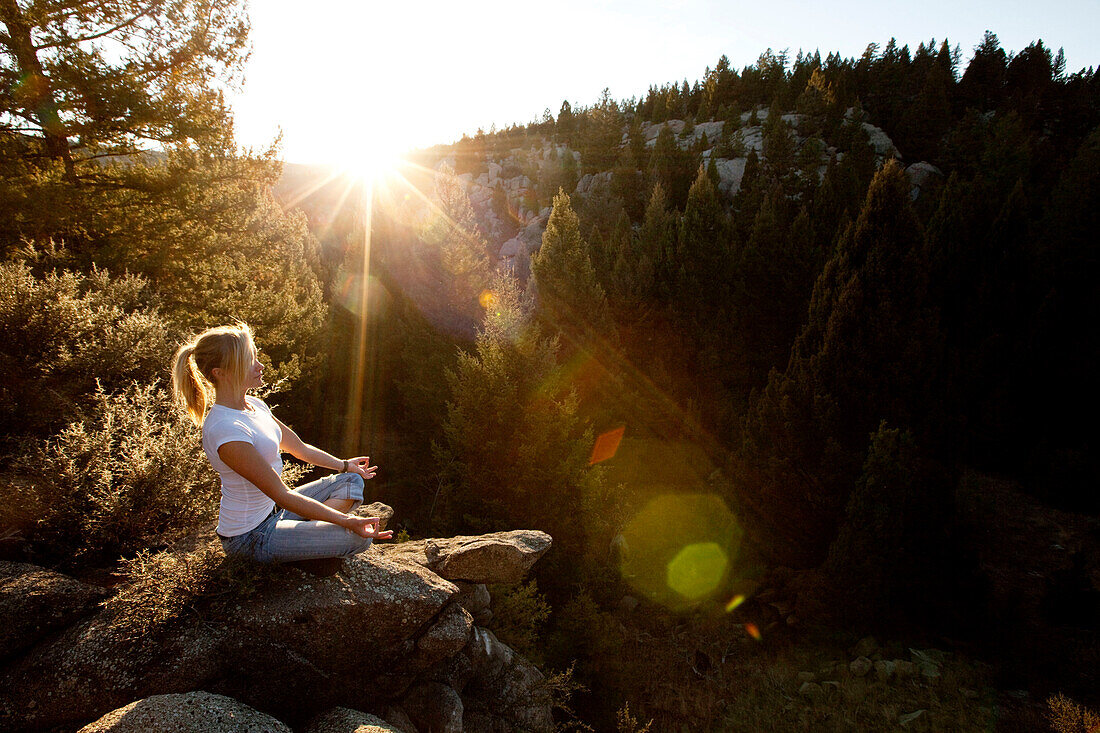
(164, 585)
(1066, 716)
(64, 332)
(126, 475)
(519, 614)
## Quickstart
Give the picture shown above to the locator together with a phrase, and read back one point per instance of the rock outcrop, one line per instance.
(501, 557)
(386, 633)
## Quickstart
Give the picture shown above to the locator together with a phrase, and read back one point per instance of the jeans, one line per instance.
(285, 536)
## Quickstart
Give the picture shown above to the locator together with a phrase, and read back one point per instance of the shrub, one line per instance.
(165, 585)
(64, 332)
(519, 614)
(126, 475)
(1066, 716)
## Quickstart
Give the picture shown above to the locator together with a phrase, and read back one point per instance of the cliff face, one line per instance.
(393, 633)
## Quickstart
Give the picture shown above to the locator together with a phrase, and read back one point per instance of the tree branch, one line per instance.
(114, 29)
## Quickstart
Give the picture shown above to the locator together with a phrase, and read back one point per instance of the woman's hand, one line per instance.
(361, 466)
(367, 527)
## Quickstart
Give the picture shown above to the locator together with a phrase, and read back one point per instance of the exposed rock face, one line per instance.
(193, 712)
(34, 602)
(365, 638)
(501, 557)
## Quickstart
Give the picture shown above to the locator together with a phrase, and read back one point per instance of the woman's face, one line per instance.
(255, 378)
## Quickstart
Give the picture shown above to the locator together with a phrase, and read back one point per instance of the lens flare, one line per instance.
(734, 602)
(682, 547)
(754, 632)
(697, 570)
(348, 293)
(606, 445)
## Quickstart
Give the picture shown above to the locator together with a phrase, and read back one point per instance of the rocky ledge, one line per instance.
(392, 637)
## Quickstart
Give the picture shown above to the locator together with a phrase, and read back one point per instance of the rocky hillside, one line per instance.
(395, 633)
(513, 178)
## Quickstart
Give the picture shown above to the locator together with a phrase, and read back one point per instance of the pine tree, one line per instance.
(108, 77)
(702, 250)
(657, 243)
(671, 167)
(509, 417)
(864, 355)
(571, 299)
(778, 145)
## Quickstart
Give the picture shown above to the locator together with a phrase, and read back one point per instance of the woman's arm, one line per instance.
(243, 458)
(313, 455)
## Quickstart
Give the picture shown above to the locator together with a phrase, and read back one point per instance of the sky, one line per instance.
(336, 76)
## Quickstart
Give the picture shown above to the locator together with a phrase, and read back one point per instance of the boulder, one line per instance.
(35, 601)
(923, 176)
(434, 707)
(884, 670)
(346, 720)
(812, 691)
(287, 651)
(904, 669)
(730, 173)
(191, 712)
(396, 716)
(879, 140)
(866, 647)
(860, 666)
(928, 661)
(447, 636)
(501, 557)
(475, 598)
(506, 691)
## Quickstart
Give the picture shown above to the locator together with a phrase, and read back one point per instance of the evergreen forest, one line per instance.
(782, 358)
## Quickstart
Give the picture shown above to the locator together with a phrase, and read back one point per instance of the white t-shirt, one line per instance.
(243, 506)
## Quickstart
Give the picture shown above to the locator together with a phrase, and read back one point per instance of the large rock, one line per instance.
(475, 598)
(435, 708)
(346, 720)
(506, 691)
(192, 712)
(501, 557)
(35, 601)
(923, 177)
(730, 174)
(302, 644)
(447, 636)
(879, 140)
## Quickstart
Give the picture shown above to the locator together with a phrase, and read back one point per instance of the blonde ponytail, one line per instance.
(229, 348)
(187, 384)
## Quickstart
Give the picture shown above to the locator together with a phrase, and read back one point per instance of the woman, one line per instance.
(259, 516)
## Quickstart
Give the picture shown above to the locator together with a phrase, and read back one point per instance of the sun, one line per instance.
(373, 159)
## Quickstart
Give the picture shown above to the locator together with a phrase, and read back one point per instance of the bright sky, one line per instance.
(331, 73)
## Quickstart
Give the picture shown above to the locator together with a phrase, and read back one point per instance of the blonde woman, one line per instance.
(259, 515)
